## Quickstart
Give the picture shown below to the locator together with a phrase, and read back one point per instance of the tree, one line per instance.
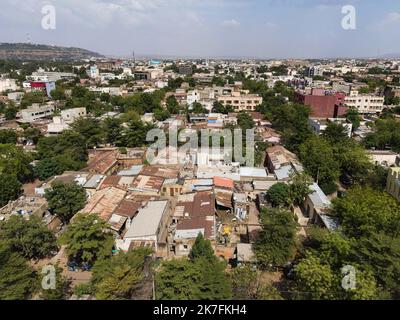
(47, 168)
(276, 243)
(118, 277)
(17, 279)
(87, 239)
(30, 238)
(318, 159)
(172, 105)
(10, 188)
(161, 114)
(8, 136)
(112, 130)
(90, 129)
(335, 133)
(197, 108)
(201, 248)
(314, 279)
(135, 134)
(299, 187)
(192, 280)
(32, 134)
(278, 195)
(245, 121)
(62, 286)
(65, 200)
(354, 117)
(14, 161)
(11, 112)
(364, 211)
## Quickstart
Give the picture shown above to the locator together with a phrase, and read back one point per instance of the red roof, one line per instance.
(223, 182)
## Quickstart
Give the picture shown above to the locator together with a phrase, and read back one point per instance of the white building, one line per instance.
(149, 225)
(61, 123)
(365, 103)
(192, 97)
(36, 111)
(319, 125)
(8, 84)
(93, 72)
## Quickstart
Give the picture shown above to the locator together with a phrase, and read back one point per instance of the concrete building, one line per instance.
(365, 103)
(36, 111)
(240, 101)
(148, 227)
(319, 125)
(8, 84)
(323, 104)
(393, 182)
(384, 158)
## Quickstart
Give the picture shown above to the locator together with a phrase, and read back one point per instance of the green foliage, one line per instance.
(245, 121)
(62, 287)
(317, 156)
(118, 277)
(315, 279)
(299, 187)
(135, 134)
(192, 280)
(14, 161)
(10, 188)
(386, 135)
(161, 114)
(276, 243)
(47, 168)
(32, 134)
(90, 129)
(172, 105)
(8, 136)
(68, 149)
(364, 211)
(198, 108)
(30, 238)
(87, 239)
(65, 200)
(218, 107)
(201, 248)
(278, 195)
(17, 279)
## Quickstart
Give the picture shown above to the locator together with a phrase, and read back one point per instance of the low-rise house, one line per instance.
(319, 125)
(194, 213)
(148, 227)
(317, 207)
(36, 112)
(102, 161)
(240, 206)
(117, 181)
(147, 185)
(384, 158)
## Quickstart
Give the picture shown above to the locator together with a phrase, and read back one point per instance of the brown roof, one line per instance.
(104, 202)
(148, 183)
(128, 208)
(201, 214)
(158, 171)
(102, 161)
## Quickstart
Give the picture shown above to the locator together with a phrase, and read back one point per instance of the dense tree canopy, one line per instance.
(65, 200)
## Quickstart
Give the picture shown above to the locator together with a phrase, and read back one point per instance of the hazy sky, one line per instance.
(256, 28)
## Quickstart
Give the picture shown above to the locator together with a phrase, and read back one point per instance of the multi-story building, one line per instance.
(365, 103)
(36, 111)
(393, 182)
(323, 104)
(241, 101)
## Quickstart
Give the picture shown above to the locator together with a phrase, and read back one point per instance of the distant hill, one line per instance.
(27, 51)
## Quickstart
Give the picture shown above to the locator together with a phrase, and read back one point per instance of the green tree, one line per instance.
(87, 239)
(90, 129)
(8, 136)
(47, 168)
(65, 200)
(363, 211)
(17, 279)
(315, 279)
(112, 130)
(245, 121)
(335, 133)
(31, 238)
(118, 277)
(279, 195)
(201, 248)
(14, 161)
(317, 156)
(61, 290)
(276, 243)
(299, 187)
(172, 105)
(10, 188)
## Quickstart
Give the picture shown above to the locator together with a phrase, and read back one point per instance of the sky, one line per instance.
(209, 28)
